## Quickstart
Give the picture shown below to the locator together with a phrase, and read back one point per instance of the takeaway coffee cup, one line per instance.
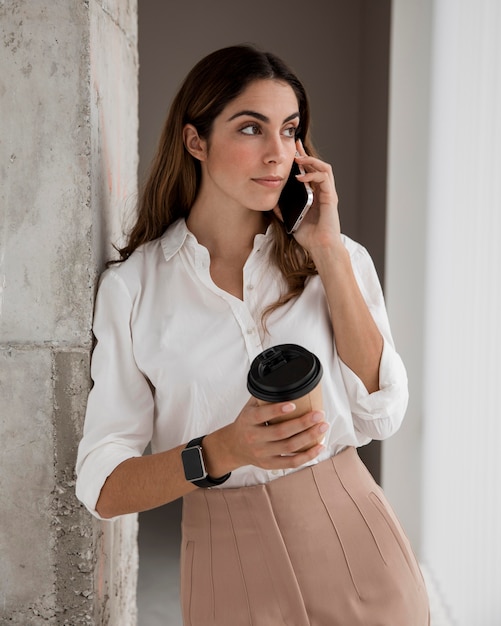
(287, 372)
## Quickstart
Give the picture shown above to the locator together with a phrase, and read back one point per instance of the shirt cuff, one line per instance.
(94, 471)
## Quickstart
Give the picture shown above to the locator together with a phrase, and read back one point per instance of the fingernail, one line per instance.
(288, 408)
(323, 428)
(318, 416)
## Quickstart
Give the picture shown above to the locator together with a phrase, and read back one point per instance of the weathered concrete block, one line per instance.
(68, 161)
(124, 13)
(114, 122)
(57, 563)
(46, 538)
(46, 274)
(27, 482)
(115, 584)
(73, 531)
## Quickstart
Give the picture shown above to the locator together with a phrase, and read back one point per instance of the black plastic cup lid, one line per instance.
(284, 372)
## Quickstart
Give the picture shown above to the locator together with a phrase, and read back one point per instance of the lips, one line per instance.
(272, 182)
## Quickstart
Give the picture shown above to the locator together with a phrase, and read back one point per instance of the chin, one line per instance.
(263, 209)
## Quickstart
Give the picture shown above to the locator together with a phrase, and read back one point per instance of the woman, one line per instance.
(294, 532)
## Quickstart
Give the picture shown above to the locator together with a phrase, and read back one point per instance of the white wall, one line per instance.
(462, 477)
(452, 233)
(405, 243)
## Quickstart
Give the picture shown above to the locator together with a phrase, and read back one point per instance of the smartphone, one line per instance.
(295, 200)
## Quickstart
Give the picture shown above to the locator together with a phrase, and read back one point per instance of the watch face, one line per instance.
(194, 468)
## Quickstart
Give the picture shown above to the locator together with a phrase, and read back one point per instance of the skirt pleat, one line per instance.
(317, 547)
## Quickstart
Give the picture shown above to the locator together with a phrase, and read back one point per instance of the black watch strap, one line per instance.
(199, 476)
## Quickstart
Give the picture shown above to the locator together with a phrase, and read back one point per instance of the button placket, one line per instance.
(248, 327)
(251, 292)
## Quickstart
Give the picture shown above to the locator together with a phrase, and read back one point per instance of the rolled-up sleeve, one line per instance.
(377, 415)
(120, 407)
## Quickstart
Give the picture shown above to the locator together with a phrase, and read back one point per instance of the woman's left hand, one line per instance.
(320, 227)
(359, 342)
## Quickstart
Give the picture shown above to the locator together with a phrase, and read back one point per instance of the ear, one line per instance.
(195, 145)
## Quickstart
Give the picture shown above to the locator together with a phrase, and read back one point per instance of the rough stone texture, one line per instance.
(114, 121)
(68, 160)
(47, 225)
(116, 562)
(73, 550)
(26, 486)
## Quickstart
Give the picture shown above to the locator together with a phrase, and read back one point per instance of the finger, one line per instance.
(294, 435)
(315, 168)
(300, 441)
(319, 177)
(288, 428)
(312, 163)
(315, 176)
(300, 148)
(294, 460)
(268, 412)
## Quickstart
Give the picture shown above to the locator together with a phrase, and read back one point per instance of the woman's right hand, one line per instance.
(139, 483)
(252, 440)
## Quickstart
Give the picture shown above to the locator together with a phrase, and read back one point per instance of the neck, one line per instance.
(226, 235)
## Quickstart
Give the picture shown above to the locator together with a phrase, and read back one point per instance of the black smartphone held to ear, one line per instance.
(295, 200)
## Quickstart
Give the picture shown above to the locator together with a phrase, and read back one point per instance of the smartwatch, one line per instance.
(194, 466)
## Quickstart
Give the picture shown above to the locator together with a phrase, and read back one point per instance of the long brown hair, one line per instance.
(174, 179)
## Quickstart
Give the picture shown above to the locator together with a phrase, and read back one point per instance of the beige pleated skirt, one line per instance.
(318, 547)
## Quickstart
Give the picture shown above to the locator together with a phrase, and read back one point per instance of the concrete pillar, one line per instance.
(68, 161)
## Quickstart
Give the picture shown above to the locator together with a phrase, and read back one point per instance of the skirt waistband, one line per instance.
(346, 465)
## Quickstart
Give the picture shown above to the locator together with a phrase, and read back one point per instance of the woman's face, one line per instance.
(251, 148)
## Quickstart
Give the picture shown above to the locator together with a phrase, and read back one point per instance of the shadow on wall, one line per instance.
(158, 581)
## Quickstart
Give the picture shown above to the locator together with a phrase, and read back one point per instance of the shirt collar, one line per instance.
(176, 235)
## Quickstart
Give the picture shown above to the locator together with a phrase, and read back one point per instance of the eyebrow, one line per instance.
(261, 117)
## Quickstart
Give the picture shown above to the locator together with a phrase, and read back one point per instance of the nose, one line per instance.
(275, 149)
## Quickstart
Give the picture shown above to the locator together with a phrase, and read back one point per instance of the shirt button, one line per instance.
(275, 472)
(250, 287)
(250, 331)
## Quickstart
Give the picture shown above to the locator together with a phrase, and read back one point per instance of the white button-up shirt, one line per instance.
(173, 352)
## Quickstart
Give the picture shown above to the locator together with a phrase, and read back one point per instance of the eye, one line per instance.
(291, 131)
(250, 129)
